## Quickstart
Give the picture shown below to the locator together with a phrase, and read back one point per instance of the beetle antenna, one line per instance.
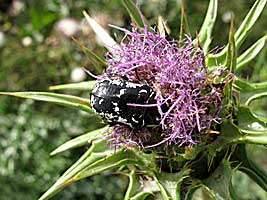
(89, 73)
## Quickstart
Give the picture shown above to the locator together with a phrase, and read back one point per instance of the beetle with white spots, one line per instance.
(111, 99)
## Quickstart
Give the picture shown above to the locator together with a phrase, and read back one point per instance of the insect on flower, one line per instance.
(116, 101)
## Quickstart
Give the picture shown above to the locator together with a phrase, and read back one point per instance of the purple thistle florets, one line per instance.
(187, 99)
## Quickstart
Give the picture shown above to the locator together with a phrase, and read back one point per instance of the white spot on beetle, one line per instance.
(109, 116)
(101, 101)
(143, 91)
(116, 109)
(134, 120)
(116, 82)
(92, 99)
(122, 120)
(132, 85)
(103, 91)
(95, 88)
(122, 92)
(115, 103)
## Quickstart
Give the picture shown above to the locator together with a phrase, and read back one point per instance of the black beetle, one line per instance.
(110, 99)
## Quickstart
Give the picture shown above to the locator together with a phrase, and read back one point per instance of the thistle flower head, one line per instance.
(187, 99)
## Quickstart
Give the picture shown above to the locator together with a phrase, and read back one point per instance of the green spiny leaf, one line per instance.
(61, 99)
(220, 180)
(191, 190)
(249, 21)
(247, 90)
(259, 178)
(251, 52)
(56, 187)
(95, 59)
(172, 182)
(98, 146)
(241, 34)
(98, 158)
(149, 187)
(113, 160)
(255, 96)
(86, 85)
(230, 63)
(142, 195)
(209, 192)
(97, 151)
(135, 14)
(244, 86)
(247, 121)
(205, 33)
(133, 185)
(229, 134)
(81, 140)
(231, 53)
(253, 137)
(246, 165)
(253, 129)
(163, 191)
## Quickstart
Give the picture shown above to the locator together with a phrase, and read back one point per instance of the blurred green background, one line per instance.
(36, 52)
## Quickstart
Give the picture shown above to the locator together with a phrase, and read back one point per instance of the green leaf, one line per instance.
(163, 190)
(249, 21)
(232, 191)
(191, 190)
(172, 182)
(81, 140)
(205, 33)
(135, 14)
(252, 129)
(257, 176)
(219, 181)
(229, 134)
(86, 85)
(254, 137)
(255, 96)
(97, 151)
(133, 185)
(98, 158)
(149, 187)
(143, 195)
(247, 89)
(251, 52)
(105, 38)
(61, 99)
(95, 59)
(209, 192)
(245, 86)
(247, 121)
(242, 32)
(98, 146)
(230, 64)
(246, 165)
(231, 53)
(113, 160)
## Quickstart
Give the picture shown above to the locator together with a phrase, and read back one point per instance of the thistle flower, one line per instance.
(197, 92)
(187, 100)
